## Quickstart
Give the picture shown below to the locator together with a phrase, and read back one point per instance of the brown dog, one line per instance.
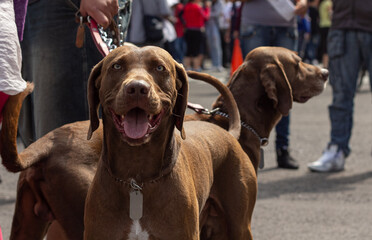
(152, 183)
(59, 168)
(264, 87)
(38, 189)
(68, 157)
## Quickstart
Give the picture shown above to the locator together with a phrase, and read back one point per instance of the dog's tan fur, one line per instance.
(53, 164)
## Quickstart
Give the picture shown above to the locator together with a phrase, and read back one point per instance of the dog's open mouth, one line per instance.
(136, 123)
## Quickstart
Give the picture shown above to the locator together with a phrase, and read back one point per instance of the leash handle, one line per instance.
(105, 42)
(108, 39)
(101, 46)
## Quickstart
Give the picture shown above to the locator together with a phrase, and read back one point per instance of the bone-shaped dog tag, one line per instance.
(135, 205)
(262, 159)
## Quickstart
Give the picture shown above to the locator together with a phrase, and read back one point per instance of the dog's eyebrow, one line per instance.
(158, 60)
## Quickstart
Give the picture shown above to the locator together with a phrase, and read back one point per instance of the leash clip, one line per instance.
(200, 109)
(135, 186)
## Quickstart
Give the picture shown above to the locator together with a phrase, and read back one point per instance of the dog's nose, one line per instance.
(138, 87)
(325, 74)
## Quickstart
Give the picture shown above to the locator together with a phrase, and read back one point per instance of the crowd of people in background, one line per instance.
(207, 28)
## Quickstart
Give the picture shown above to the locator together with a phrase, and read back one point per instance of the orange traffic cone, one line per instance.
(237, 56)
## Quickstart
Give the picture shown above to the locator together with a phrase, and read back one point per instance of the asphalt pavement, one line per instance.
(292, 204)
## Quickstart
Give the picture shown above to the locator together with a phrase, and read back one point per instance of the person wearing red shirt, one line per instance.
(194, 16)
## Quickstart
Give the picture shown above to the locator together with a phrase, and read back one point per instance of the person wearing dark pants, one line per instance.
(58, 68)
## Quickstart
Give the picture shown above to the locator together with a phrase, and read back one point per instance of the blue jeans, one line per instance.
(252, 36)
(347, 50)
(58, 68)
(179, 49)
(214, 44)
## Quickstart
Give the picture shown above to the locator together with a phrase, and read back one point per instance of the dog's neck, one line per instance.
(143, 163)
(261, 124)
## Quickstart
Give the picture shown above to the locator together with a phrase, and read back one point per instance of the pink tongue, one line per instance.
(136, 123)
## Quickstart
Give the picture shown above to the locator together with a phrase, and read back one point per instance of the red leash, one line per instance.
(108, 39)
(93, 27)
(103, 42)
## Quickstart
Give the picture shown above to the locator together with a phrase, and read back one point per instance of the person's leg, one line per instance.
(366, 45)
(284, 37)
(322, 46)
(202, 50)
(197, 62)
(58, 68)
(252, 36)
(225, 47)
(282, 133)
(187, 62)
(190, 49)
(344, 49)
(177, 46)
(343, 77)
(193, 39)
(214, 44)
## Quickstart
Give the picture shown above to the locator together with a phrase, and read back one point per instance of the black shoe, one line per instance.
(285, 160)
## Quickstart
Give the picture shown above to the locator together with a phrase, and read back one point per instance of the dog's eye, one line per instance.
(116, 66)
(160, 68)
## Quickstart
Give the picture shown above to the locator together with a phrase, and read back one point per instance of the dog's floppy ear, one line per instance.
(277, 86)
(181, 101)
(93, 98)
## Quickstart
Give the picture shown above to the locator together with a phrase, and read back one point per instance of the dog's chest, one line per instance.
(137, 232)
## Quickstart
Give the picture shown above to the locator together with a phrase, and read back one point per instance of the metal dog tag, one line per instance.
(135, 205)
(262, 159)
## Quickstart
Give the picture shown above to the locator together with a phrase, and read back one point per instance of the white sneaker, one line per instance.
(332, 160)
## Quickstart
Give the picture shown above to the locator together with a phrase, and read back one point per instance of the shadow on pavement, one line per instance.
(7, 201)
(309, 183)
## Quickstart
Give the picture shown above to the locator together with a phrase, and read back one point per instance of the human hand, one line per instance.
(102, 11)
(301, 7)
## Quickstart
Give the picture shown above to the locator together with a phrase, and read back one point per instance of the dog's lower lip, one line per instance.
(304, 99)
(155, 119)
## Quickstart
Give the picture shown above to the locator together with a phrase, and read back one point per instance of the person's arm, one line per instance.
(236, 27)
(100, 10)
(301, 7)
(206, 10)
